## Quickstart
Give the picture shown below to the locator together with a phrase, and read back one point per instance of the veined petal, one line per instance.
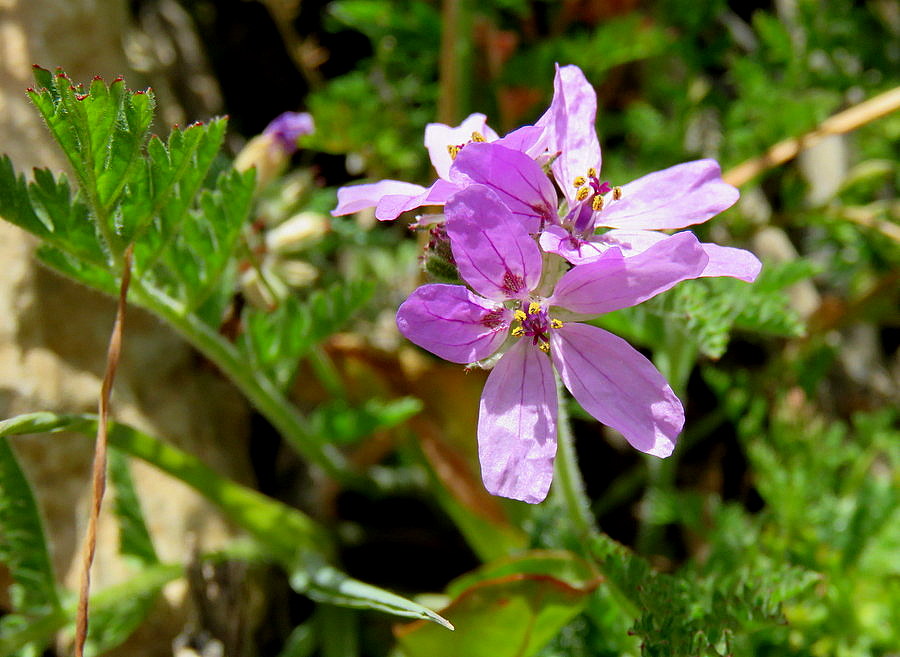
(729, 261)
(613, 281)
(618, 386)
(528, 139)
(517, 425)
(571, 127)
(354, 198)
(518, 180)
(679, 196)
(438, 136)
(453, 323)
(493, 251)
(392, 206)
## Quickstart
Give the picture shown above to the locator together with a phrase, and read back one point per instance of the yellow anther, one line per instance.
(597, 203)
(582, 193)
(579, 181)
(555, 323)
(617, 193)
(477, 136)
(518, 332)
(534, 308)
(592, 172)
(519, 316)
(453, 150)
(545, 347)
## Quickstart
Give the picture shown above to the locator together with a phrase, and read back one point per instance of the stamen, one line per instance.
(579, 181)
(478, 137)
(545, 347)
(583, 193)
(597, 203)
(617, 193)
(453, 150)
(555, 323)
(534, 308)
(592, 172)
(518, 332)
(519, 316)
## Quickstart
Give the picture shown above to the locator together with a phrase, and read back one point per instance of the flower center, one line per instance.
(454, 149)
(535, 322)
(590, 192)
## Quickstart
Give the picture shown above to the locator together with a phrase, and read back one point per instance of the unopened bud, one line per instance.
(296, 232)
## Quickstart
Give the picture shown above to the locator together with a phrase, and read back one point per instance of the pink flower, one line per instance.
(677, 197)
(390, 198)
(504, 312)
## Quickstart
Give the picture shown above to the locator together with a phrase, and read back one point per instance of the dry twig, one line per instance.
(849, 119)
(98, 475)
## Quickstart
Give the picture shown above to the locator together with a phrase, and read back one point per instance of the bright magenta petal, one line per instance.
(518, 180)
(614, 281)
(517, 425)
(493, 251)
(728, 261)
(359, 197)
(453, 323)
(679, 196)
(618, 386)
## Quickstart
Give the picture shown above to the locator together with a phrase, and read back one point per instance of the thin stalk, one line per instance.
(568, 484)
(838, 124)
(98, 476)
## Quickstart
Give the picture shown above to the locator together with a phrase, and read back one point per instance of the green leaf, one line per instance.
(511, 616)
(111, 620)
(290, 536)
(134, 538)
(344, 424)
(23, 546)
(326, 584)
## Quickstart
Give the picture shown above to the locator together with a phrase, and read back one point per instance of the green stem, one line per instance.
(262, 393)
(568, 484)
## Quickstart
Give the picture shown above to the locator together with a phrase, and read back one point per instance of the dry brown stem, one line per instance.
(98, 475)
(840, 123)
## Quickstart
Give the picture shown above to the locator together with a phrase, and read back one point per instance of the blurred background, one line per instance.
(791, 386)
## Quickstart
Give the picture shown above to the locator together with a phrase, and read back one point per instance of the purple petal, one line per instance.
(631, 242)
(439, 136)
(615, 282)
(528, 139)
(453, 323)
(728, 261)
(556, 239)
(359, 197)
(679, 196)
(571, 130)
(493, 251)
(519, 181)
(618, 386)
(392, 206)
(517, 425)
(287, 127)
